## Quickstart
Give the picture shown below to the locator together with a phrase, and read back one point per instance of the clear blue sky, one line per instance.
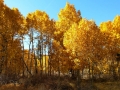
(98, 10)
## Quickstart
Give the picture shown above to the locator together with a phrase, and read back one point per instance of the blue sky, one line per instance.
(98, 10)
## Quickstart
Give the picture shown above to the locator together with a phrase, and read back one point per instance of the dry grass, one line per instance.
(38, 87)
(64, 84)
(11, 87)
(108, 85)
(21, 87)
(49, 83)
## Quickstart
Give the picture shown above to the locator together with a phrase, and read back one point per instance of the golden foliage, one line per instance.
(72, 41)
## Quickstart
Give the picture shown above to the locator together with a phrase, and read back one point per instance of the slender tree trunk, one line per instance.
(23, 57)
(49, 54)
(82, 73)
(78, 80)
(45, 61)
(36, 71)
(89, 70)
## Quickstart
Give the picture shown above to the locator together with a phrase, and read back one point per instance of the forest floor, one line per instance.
(61, 84)
(70, 86)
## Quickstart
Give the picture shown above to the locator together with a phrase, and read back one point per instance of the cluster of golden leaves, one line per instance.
(11, 22)
(87, 41)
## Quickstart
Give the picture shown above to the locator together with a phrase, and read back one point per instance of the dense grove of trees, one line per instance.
(69, 43)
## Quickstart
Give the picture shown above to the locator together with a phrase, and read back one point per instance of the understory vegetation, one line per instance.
(63, 83)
